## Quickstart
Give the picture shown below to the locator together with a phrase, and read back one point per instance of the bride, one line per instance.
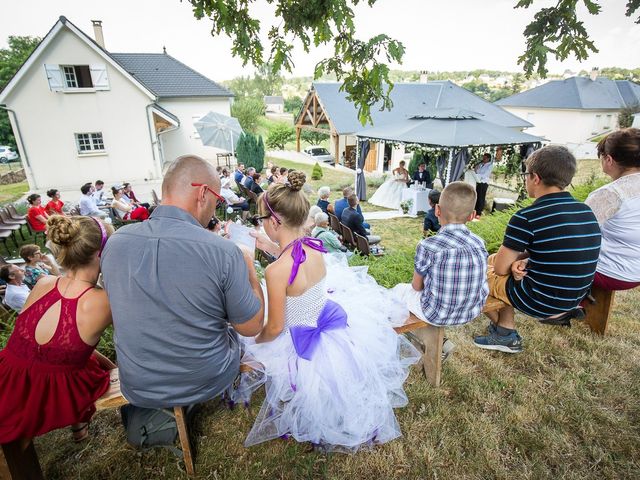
(389, 195)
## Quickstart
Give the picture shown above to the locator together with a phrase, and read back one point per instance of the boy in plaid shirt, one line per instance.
(450, 277)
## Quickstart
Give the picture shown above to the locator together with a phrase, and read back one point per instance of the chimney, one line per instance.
(97, 32)
(424, 77)
(594, 73)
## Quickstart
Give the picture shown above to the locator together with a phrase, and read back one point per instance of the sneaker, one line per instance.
(511, 343)
(447, 349)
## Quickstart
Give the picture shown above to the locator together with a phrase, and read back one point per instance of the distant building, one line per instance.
(574, 110)
(636, 120)
(274, 104)
(83, 113)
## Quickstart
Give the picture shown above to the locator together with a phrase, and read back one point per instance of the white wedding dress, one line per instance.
(389, 195)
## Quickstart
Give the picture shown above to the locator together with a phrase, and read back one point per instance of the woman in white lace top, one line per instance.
(617, 208)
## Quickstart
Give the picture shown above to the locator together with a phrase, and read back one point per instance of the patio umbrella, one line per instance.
(218, 130)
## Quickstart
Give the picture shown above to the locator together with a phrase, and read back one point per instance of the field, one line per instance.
(567, 407)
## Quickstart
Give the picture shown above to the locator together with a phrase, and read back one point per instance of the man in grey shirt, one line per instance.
(178, 295)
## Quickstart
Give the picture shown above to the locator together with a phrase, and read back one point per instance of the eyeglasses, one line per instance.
(256, 220)
(220, 198)
(524, 174)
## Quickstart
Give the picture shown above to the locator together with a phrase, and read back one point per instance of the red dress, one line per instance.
(54, 207)
(49, 386)
(34, 223)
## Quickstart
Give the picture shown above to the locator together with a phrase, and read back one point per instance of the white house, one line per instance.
(636, 120)
(81, 113)
(274, 104)
(575, 110)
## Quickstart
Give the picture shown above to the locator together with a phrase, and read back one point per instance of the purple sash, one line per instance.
(298, 255)
(306, 339)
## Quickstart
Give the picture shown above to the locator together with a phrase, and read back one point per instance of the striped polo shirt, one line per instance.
(562, 237)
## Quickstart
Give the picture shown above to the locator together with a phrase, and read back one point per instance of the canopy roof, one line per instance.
(448, 127)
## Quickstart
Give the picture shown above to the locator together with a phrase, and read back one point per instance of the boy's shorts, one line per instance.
(497, 283)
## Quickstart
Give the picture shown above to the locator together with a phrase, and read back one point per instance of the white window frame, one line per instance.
(69, 77)
(88, 143)
(63, 78)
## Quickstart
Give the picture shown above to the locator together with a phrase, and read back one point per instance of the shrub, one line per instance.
(316, 173)
(314, 138)
(250, 151)
(279, 135)
(293, 105)
(248, 111)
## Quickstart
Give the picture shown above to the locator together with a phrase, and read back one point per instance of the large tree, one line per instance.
(361, 65)
(11, 59)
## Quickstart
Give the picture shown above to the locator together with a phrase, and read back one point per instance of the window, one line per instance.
(70, 77)
(89, 142)
(77, 78)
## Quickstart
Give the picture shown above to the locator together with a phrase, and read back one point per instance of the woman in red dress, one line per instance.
(54, 207)
(50, 376)
(36, 216)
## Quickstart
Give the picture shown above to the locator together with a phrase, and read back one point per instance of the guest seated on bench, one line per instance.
(431, 223)
(130, 197)
(311, 219)
(450, 277)
(17, 291)
(126, 210)
(37, 265)
(617, 208)
(36, 215)
(88, 204)
(355, 221)
(50, 376)
(235, 201)
(329, 238)
(323, 200)
(54, 207)
(548, 257)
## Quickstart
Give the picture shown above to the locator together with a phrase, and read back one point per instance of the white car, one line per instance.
(7, 154)
(320, 154)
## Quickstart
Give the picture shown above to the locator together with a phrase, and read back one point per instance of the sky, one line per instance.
(438, 35)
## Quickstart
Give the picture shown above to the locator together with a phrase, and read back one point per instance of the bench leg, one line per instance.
(183, 433)
(19, 464)
(432, 338)
(598, 314)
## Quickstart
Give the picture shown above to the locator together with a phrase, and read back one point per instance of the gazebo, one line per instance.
(453, 129)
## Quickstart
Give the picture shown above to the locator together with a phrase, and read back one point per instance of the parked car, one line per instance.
(320, 154)
(7, 154)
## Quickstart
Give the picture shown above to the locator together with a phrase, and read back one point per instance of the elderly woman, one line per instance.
(311, 219)
(37, 265)
(323, 201)
(329, 239)
(617, 209)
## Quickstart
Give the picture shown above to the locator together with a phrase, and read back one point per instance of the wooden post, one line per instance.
(298, 138)
(336, 140)
(181, 422)
(598, 314)
(19, 464)
(432, 338)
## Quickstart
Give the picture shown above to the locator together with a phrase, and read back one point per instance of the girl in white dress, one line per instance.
(389, 195)
(334, 367)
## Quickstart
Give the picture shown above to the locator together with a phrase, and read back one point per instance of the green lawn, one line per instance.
(567, 407)
(12, 192)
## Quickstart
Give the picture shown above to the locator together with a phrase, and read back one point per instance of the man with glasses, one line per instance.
(179, 295)
(548, 257)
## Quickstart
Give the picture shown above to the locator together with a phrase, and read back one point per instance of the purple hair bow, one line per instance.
(298, 255)
(306, 339)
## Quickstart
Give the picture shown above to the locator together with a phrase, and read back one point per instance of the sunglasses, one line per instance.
(220, 198)
(256, 220)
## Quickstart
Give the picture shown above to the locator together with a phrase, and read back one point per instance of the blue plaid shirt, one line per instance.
(454, 266)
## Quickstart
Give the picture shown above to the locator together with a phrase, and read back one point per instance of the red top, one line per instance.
(36, 224)
(48, 386)
(54, 207)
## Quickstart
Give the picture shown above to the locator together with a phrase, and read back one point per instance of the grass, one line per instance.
(12, 192)
(567, 407)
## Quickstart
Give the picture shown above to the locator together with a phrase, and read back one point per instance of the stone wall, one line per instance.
(13, 177)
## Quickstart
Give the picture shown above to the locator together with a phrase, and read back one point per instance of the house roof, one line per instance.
(167, 77)
(273, 100)
(579, 93)
(409, 99)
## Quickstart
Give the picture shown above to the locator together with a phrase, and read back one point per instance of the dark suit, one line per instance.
(354, 220)
(341, 205)
(422, 177)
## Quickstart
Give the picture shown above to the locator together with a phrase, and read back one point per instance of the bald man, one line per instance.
(178, 296)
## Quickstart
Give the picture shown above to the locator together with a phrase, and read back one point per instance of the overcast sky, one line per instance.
(437, 34)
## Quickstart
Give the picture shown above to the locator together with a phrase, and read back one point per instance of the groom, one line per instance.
(422, 176)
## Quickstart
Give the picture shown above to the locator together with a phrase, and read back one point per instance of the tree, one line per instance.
(11, 59)
(312, 137)
(280, 135)
(316, 173)
(249, 152)
(292, 105)
(557, 30)
(248, 111)
(625, 118)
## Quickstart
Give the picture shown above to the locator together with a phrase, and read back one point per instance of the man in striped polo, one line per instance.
(548, 257)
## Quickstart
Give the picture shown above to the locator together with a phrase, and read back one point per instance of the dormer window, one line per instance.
(77, 78)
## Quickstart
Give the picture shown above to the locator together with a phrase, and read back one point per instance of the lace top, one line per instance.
(607, 200)
(305, 309)
(66, 348)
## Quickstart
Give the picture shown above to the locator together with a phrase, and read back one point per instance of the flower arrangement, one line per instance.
(406, 206)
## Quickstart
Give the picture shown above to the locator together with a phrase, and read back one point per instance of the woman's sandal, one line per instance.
(80, 433)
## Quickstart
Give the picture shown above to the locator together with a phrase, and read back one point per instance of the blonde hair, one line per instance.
(287, 200)
(75, 240)
(457, 201)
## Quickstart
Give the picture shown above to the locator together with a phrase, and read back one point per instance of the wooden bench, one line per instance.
(432, 338)
(598, 313)
(19, 464)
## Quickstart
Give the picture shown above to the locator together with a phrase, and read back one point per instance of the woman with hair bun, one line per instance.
(54, 207)
(50, 373)
(617, 209)
(36, 215)
(332, 363)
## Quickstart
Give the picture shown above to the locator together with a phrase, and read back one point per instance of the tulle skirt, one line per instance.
(389, 194)
(343, 397)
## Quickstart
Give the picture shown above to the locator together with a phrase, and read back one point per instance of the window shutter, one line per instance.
(99, 77)
(54, 77)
